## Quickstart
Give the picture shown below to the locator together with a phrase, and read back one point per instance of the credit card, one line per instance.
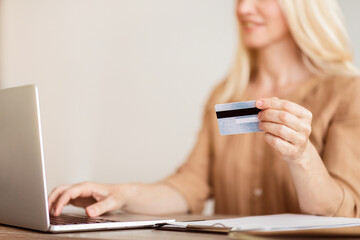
(238, 117)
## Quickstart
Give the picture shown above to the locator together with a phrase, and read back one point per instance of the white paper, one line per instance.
(278, 222)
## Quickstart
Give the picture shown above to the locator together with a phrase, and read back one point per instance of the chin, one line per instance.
(254, 45)
(255, 42)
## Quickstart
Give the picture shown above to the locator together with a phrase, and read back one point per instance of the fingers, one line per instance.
(285, 118)
(106, 198)
(284, 105)
(285, 148)
(55, 194)
(76, 191)
(65, 198)
(101, 207)
(287, 126)
(283, 132)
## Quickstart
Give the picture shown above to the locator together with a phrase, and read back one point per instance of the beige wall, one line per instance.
(351, 13)
(122, 82)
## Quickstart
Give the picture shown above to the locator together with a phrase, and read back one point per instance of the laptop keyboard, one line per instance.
(69, 220)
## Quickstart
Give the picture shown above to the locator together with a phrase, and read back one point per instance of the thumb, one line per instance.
(103, 206)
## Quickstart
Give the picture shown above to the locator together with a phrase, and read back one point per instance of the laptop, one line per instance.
(23, 195)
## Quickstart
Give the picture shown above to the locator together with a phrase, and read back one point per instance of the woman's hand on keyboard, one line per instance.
(94, 197)
(97, 199)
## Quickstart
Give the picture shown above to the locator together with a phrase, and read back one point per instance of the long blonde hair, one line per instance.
(318, 28)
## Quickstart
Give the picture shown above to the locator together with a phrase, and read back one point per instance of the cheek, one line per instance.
(275, 27)
(276, 22)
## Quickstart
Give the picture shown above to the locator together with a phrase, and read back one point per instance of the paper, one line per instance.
(278, 222)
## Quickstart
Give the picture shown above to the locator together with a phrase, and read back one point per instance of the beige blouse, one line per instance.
(246, 177)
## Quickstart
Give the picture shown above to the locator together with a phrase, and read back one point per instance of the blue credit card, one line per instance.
(238, 117)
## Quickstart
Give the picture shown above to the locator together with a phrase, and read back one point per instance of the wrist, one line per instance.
(131, 191)
(304, 159)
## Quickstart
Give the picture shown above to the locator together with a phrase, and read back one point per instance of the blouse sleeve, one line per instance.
(192, 178)
(341, 153)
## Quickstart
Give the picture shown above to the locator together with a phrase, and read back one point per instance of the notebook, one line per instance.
(278, 224)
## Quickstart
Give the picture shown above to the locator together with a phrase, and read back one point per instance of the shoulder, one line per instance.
(338, 89)
(342, 84)
(345, 91)
(346, 88)
(351, 97)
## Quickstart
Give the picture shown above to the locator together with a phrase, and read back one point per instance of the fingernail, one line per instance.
(260, 103)
(91, 211)
(259, 115)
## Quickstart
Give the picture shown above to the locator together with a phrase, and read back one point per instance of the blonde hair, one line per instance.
(318, 28)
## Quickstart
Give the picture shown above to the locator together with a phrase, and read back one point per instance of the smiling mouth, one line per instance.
(251, 25)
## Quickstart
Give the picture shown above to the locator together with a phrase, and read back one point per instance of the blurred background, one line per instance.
(122, 83)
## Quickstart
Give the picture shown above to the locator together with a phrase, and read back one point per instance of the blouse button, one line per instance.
(258, 192)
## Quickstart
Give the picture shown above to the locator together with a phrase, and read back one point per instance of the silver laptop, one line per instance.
(23, 196)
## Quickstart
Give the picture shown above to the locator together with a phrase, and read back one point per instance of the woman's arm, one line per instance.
(317, 191)
(287, 128)
(152, 199)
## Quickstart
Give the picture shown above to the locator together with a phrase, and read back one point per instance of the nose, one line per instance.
(245, 7)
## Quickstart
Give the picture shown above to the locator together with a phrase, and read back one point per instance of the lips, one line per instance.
(251, 25)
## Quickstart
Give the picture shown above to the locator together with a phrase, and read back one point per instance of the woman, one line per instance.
(294, 58)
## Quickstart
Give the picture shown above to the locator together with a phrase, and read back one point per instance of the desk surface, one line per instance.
(7, 232)
(17, 233)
